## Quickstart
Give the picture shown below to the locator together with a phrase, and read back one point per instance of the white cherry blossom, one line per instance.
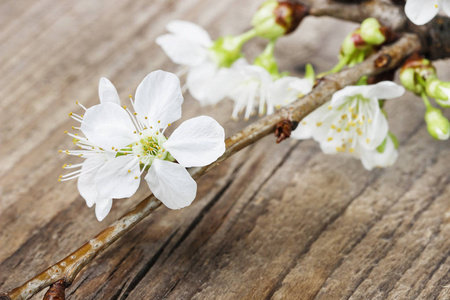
(421, 12)
(189, 45)
(120, 145)
(249, 90)
(287, 89)
(353, 122)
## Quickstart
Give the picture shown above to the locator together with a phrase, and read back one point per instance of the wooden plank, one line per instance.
(274, 221)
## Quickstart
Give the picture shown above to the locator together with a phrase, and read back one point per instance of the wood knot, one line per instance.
(57, 291)
(283, 129)
(382, 61)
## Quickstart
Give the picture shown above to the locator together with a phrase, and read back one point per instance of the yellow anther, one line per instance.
(70, 114)
(169, 124)
(333, 126)
(112, 148)
(135, 114)
(304, 122)
(129, 171)
(157, 132)
(367, 141)
(82, 116)
(339, 129)
(138, 155)
(159, 121)
(329, 139)
(76, 102)
(140, 133)
(136, 177)
(66, 131)
(145, 118)
(59, 179)
(160, 155)
(64, 166)
(352, 150)
(350, 109)
(130, 96)
(60, 176)
(350, 140)
(124, 107)
(369, 120)
(359, 131)
(319, 124)
(60, 151)
(330, 107)
(80, 155)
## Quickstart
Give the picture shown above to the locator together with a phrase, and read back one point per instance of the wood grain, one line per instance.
(273, 222)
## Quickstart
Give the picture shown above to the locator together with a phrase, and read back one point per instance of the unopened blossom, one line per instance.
(207, 61)
(421, 12)
(352, 122)
(138, 144)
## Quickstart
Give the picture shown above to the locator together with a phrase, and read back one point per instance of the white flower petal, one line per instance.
(118, 178)
(181, 50)
(342, 96)
(159, 98)
(383, 90)
(107, 92)
(308, 127)
(372, 158)
(421, 11)
(171, 183)
(102, 209)
(197, 142)
(288, 89)
(190, 31)
(108, 125)
(86, 181)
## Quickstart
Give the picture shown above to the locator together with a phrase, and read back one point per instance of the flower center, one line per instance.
(150, 147)
(351, 124)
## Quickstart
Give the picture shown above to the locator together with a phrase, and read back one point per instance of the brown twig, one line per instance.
(68, 268)
(434, 36)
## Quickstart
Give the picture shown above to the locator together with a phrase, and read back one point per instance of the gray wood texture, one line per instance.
(273, 222)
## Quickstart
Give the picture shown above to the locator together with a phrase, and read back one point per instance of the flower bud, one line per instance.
(439, 90)
(274, 19)
(438, 126)
(371, 32)
(415, 72)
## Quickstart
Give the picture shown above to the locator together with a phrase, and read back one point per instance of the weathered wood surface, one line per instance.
(275, 221)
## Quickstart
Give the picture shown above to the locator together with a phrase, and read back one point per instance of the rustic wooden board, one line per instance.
(274, 221)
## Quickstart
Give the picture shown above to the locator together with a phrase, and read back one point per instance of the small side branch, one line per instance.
(68, 268)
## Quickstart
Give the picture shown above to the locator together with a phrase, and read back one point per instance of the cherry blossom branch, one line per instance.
(68, 268)
(434, 36)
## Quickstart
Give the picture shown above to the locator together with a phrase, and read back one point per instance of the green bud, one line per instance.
(371, 33)
(274, 19)
(440, 90)
(348, 46)
(408, 80)
(265, 23)
(438, 126)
